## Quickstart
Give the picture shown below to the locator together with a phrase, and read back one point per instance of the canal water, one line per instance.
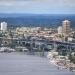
(22, 64)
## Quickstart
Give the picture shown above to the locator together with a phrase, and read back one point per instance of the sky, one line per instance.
(38, 6)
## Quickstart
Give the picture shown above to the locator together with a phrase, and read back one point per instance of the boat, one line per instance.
(6, 49)
(58, 60)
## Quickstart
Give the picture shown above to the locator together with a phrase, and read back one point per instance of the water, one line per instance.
(21, 64)
(43, 20)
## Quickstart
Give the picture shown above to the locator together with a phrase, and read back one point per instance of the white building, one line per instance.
(60, 30)
(70, 39)
(3, 26)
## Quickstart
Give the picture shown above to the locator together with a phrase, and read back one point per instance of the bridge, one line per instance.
(67, 45)
(42, 43)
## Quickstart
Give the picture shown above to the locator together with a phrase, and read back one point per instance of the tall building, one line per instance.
(3, 26)
(60, 30)
(66, 27)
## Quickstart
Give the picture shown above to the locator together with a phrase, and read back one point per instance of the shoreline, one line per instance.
(70, 66)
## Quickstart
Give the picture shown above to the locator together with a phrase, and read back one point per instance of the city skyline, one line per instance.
(38, 6)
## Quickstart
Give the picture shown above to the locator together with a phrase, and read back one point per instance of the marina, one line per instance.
(62, 62)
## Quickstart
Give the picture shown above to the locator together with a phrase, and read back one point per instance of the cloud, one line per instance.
(37, 5)
(66, 3)
(17, 0)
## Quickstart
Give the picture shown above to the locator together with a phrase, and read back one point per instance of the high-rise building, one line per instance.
(60, 30)
(3, 26)
(66, 27)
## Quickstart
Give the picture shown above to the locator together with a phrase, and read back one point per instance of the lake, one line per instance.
(22, 64)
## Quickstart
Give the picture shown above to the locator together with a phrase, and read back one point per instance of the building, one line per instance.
(66, 27)
(3, 26)
(60, 30)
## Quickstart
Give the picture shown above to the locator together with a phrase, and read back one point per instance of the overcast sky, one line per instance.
(38, 6)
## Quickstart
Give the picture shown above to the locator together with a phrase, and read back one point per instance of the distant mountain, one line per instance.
(44, 20)
(5, 15)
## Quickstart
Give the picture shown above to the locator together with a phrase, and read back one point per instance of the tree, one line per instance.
(72, 58)
(62, 50)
